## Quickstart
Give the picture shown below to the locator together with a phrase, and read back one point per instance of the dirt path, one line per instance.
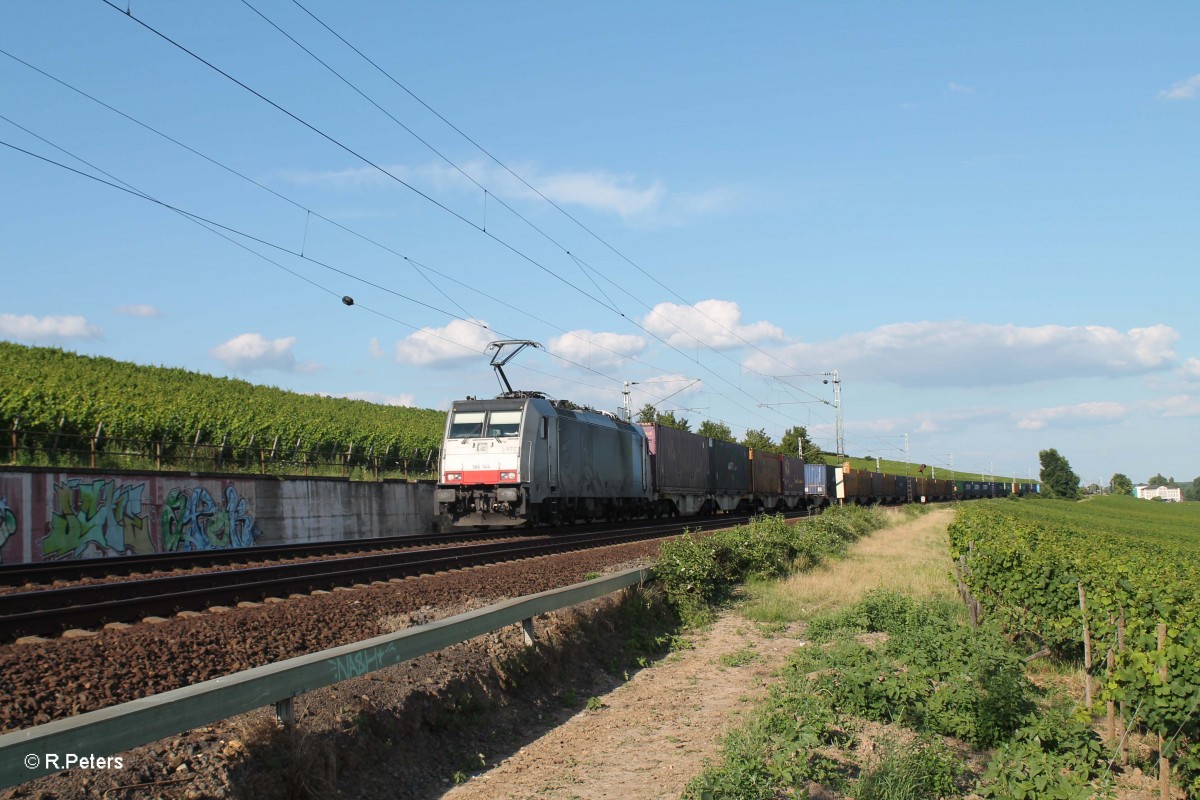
(656, 731)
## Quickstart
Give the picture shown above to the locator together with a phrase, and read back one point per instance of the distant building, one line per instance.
(1172, 494)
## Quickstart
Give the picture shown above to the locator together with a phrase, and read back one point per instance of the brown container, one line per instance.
(766, 473)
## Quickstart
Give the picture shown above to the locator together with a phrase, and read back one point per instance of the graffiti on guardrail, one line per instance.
(352, 665)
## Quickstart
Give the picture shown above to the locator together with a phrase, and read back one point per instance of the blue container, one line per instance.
(819, 481)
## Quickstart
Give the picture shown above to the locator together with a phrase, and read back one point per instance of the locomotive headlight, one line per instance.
(508, 476)
(453, 476)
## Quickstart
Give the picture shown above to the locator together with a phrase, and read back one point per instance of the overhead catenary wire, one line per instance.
(424, 195)
(587, 269)
(527, 184)
(224, 232)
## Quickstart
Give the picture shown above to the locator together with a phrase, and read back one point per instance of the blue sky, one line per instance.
(985, 218)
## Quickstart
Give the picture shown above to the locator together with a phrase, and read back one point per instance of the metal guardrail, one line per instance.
(114, 730)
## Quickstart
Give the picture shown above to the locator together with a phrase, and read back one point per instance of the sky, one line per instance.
(983, 217)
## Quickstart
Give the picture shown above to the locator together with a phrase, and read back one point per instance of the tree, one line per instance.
(795, 441)
(650, 414)
(1057, 477)
(1192, 492)
(647, 414)
(1120, 484)
(716, 430)
(760, 441)
(1158, 480)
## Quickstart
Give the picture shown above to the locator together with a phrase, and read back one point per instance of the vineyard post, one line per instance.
(249, 451)
(1164, 766)
(221, 452)
(1087, 650)
(1121, 649)
(158, 454)
(54, 445)
(16, 422)
(195, 442)
(346, 459)
(1110, 706)
(95, 439)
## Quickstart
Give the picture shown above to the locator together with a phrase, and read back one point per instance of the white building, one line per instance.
(1172, 494)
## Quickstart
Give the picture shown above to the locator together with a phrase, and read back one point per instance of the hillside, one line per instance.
(52, 393)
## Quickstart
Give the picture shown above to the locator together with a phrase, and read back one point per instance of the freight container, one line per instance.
(793, 476)
(766, 473)
(678, 459)
(819, 482)
(728, 467)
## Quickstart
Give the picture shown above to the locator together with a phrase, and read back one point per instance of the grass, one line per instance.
(889, 647)
(911, 559)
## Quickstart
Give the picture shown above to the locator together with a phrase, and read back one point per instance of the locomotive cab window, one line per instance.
(467, 425)
(504, 423)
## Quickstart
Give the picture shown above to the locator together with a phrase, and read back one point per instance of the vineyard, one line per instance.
(1112, 581)
(58, 408)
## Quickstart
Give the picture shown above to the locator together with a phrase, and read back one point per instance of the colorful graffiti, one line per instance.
(8, 525)
(96, 518)
(192, 520)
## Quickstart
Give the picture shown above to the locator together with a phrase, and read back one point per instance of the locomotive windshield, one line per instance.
(467, 425)
(504, 423)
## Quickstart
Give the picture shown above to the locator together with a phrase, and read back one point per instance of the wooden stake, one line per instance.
(1124, 722)
(1087, 650)
(1112, 707)
(1164, 766)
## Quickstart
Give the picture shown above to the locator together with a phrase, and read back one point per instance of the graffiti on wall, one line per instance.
(193, 520)
(8, 525)
(96, 518)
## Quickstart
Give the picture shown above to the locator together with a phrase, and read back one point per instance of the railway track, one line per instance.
(51, 611)
(49, 572)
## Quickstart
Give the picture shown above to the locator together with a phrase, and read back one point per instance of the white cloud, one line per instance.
(1073, 415)
(47, 330)
(633, 199)
(1181, 405)
(958, 88)
(248, 352)
(975, 354)
(375, 349)
(597, 350)
(139, 310)
(379, 398)
(457, 341)
(716, 323)
(1190, 371)
(1183, 90)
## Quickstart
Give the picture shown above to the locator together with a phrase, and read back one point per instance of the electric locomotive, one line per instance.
(519, 460)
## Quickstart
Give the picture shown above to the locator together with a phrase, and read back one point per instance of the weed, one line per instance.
(740, 658)
(924, 770)
(594, 704)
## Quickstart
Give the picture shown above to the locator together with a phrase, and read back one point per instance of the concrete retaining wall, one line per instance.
(48, 514)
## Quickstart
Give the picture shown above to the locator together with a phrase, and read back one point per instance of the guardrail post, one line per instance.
(527, 629)
(285, 711)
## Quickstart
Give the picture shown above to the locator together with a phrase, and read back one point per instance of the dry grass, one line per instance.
(911, 557)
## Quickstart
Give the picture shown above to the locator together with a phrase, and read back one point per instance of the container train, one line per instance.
(528, 460)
